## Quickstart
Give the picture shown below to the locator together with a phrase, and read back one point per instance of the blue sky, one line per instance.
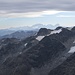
(29, 12)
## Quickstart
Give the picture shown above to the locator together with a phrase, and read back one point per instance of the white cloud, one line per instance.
(23, 6)
(29, 14)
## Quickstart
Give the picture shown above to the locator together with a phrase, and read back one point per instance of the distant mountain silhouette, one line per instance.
(35, 27)
(20, 34)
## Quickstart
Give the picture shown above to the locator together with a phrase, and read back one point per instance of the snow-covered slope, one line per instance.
(39, 38)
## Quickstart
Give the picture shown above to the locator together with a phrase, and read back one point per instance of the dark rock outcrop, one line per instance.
(43, 31)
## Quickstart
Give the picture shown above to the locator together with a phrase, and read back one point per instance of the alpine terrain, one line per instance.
(46, 52)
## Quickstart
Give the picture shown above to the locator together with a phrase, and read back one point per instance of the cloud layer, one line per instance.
(12, 7)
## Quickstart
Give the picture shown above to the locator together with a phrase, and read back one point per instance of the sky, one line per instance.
(18, 13)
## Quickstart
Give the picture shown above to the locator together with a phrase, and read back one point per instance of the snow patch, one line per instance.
(56, 31)
(25, 44)
(20, 53)
(72, 49)
(39, 38)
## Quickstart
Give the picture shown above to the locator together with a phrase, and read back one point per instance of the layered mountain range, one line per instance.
(48, 52)
(20, 34)
(25, 29)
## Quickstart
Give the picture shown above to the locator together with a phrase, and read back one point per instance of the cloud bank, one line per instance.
(26, 8)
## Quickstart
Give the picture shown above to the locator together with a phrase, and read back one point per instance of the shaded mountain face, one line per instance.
(44, 51)
(73, 29)
(32, 56)
(58, 28)
(64, 35)
(43, 31)
(66, 68)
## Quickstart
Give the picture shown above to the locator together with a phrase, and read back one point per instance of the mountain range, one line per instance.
(48, 52)
(20, 34)
(35, 27)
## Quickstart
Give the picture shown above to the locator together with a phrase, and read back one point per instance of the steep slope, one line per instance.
(66, 68)
(31, 56)
(35, 57)
(63, 36)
